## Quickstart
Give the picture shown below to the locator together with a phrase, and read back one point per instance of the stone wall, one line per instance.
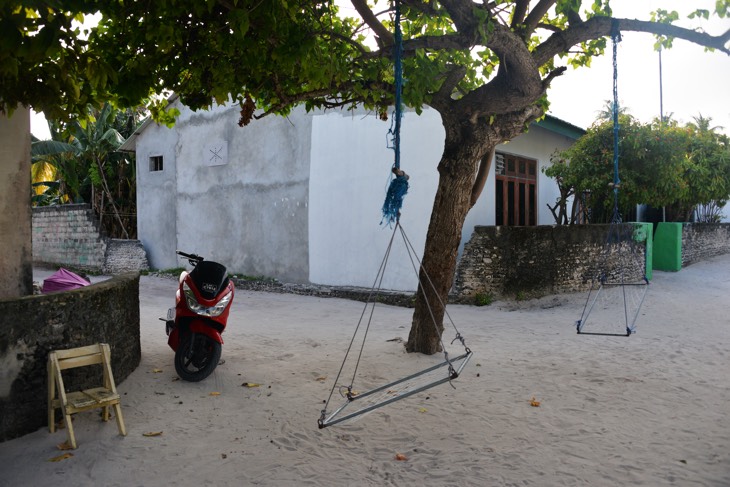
(124, 255)
(704, 240)
(533, 261)
(69, 235)
(32, 326)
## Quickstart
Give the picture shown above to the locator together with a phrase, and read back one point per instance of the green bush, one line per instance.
(482, 299)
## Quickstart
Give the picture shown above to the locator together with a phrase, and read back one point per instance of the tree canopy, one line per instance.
(288, 52)
(661, 164)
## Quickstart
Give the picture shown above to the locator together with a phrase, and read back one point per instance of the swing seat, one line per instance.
(359, 404)
(619, 286)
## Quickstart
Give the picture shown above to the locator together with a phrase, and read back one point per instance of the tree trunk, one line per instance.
(464, 149)
(466, 143)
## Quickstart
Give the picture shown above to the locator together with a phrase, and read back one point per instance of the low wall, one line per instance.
(32, 326)
(701, 241)
(534, 261)
(69, 235)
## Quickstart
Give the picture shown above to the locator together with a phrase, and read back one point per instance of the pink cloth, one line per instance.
(63, 280)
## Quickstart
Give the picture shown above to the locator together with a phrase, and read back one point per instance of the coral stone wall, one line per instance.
(532, 261)
(704, 240)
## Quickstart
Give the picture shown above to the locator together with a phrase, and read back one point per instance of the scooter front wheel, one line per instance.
(197, 357)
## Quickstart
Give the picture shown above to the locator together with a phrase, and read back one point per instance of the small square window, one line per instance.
(155, 163)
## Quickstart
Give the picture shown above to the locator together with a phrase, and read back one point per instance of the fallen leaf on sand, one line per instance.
(156, 371)
(422, 410)
(321, 379)
(214, 394)
(250, 384)
(401, 457)
(64, 446)
(152, 433)
(534, 402)
(61, 457)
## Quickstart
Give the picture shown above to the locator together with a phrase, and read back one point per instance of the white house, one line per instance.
(299, 198)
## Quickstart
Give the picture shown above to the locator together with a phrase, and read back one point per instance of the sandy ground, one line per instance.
(652, 409)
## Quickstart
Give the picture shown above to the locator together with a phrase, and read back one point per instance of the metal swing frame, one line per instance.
(452, 367)
(602, 283)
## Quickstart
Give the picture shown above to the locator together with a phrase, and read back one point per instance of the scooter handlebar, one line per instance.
(192, 258)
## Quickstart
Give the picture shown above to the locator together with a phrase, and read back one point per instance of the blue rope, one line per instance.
(399, 184)
(616, 38)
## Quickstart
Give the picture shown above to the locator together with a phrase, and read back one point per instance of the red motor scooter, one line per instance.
(194, 326)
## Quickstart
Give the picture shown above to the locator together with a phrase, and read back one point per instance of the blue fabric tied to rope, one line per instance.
(399, 184)
(394, 197)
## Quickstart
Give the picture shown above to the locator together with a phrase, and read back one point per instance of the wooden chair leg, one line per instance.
(120, 419)
(70, 430)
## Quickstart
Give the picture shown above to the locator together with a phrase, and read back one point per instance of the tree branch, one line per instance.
(596, 27)
(482, 174)
(462, 14)
(519, 12)
(443, 97)
(324, 94)
(537, 13)
(372, 21)
(421, 6)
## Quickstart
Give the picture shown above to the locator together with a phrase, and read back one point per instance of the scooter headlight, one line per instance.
(198, 308)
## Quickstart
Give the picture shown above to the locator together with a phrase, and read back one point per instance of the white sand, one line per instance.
(652, 409)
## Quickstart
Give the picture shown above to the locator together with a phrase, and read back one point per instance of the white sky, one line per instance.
(694, 82)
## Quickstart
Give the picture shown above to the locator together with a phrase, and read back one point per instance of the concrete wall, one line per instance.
(248, 211)
(69, 235)
(157, 195)
(32, 326)
(536, 261)
(350, 174)
(16, 260)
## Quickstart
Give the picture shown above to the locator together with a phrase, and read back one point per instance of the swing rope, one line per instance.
(399, 179)
(616, 38)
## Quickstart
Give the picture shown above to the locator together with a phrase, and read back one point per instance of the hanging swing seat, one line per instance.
(619, 284)
(358, 404)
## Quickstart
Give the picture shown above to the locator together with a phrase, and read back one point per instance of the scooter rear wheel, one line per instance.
(196, 357)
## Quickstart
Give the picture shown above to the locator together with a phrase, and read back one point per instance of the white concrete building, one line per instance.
(299, 198)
